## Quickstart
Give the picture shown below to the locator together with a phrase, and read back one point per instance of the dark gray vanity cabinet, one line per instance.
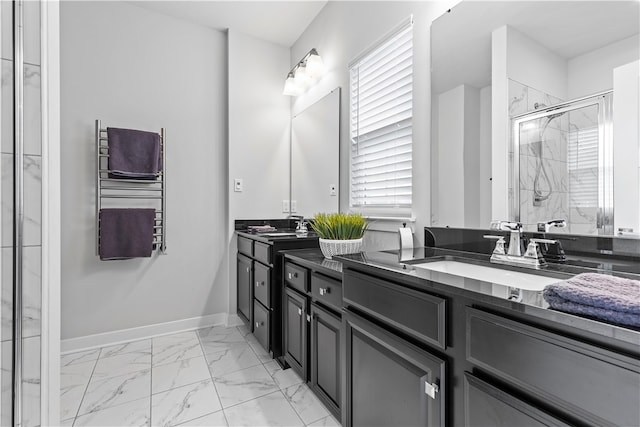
(325, 356)
(420, 352)
(312, 331)
(393, 376)
(245, 288)
(259, 285)
(585, 382)
(486, 405)
(389, 380)
(295, 331)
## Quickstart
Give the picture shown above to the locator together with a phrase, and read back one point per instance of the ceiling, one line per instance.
(568, 28)
(279, 22)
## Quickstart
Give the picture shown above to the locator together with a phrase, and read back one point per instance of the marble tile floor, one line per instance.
(214, 376)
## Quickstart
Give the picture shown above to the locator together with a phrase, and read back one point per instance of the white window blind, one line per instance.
(381, 95)
(583, 165)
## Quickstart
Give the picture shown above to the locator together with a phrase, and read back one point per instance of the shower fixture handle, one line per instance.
(543, 227)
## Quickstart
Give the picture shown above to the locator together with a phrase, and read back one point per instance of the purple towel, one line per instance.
(126, 233)
(610, 298)
(134, 154)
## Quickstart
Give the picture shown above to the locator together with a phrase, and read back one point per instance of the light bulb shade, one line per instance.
(315, 66)
(290, 86)
(302, 79)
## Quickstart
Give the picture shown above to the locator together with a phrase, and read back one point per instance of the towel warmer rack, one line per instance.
(137, 189)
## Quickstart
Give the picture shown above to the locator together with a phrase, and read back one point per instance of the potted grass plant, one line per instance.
(339, 233)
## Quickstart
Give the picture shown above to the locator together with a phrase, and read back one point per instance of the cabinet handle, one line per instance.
(308, 318)
(324, 291)
(299, 312)
(247, 269)
(259, 284)
(292, 276)
(258, 324)
(430, 389)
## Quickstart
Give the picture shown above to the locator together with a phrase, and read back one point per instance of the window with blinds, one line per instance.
(381, 99)
(583, 164)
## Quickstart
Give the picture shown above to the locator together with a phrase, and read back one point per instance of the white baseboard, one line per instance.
(124, 335)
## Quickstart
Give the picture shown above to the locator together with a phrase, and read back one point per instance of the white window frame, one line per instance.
(403, 210)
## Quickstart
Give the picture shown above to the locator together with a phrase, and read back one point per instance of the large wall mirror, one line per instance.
(535, 115)
(315, 151)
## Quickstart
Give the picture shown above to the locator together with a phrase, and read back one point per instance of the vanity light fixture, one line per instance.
(304, 74)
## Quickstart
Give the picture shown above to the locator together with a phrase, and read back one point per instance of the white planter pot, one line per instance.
(330, 248)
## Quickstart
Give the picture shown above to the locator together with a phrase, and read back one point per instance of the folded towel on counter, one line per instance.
(610, 298)
(134, 154)
(261, 228)
(126, 233)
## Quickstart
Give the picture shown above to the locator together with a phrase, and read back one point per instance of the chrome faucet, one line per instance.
(514, 256)
(515, 240)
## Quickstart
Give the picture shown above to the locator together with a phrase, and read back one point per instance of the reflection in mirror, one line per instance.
(315, 150)
(563, 166)
(492, 63)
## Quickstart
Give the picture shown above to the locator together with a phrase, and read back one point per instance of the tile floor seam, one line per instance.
(213, 381)
(110, 406)
(174, 361)
(84, 394)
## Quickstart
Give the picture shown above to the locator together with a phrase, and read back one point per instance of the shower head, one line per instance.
(539, 105)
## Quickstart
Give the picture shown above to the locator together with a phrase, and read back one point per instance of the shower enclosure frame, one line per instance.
(50, 230)
(604, 102)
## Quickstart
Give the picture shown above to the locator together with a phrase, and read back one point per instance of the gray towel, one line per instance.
(126, 233)
(610, 298)
(134, 154)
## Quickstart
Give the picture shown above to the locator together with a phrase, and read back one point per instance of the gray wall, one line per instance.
(259, 121)
(340, 32)
(139, 69)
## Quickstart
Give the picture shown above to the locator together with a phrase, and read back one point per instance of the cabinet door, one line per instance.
(245, 289)
(262, 288)
(389, 381)
(486, 405)
(325, 357)
(295, 331)
(261, 324)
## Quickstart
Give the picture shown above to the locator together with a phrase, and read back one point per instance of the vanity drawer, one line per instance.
(593, 384)
(486, 405)
(261, 324)
(245, 246)
(262, 252)
(262, 283)
(296, 277)
(417, 313)
(326, 290)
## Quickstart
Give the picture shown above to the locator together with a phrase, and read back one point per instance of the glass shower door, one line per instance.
(563, 166)
(21, 195)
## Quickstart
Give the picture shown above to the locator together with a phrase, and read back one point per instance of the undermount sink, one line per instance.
(516, 279)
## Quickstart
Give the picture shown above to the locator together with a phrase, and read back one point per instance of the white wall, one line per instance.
(259, 120)
(593, 72)
(499, 126)
(626, 147)
(533, 65)
(340, 32)
(134, 68)
(485, 157)
(450, 192)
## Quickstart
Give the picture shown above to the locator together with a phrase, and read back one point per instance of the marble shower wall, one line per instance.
(32, 284)
(543, 151)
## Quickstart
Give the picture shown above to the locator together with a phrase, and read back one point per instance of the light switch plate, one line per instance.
(285, 206)
(332, 190)
(238, 185)
(294, 206)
